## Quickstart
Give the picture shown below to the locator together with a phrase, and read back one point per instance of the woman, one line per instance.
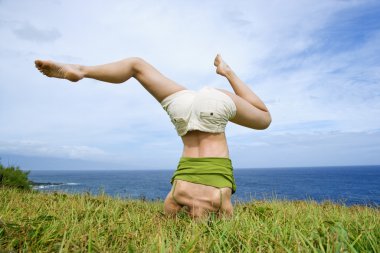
(203, 181)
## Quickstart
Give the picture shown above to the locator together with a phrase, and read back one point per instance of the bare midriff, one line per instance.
(202, 144)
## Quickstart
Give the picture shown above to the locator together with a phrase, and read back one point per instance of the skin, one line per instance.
(198, 199)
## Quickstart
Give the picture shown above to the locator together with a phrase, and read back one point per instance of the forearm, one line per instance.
(243, 91)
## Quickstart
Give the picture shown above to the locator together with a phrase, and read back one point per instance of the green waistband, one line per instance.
(213, 171)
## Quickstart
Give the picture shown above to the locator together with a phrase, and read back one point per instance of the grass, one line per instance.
(58, 222)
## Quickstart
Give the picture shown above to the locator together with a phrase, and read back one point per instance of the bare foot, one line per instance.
(58, 70)
(221, 67)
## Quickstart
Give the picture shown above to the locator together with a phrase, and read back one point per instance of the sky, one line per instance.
(315, 64)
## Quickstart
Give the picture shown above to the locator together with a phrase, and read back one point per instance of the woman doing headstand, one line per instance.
(203, 181)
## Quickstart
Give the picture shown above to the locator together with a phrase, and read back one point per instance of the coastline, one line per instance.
(349, 186)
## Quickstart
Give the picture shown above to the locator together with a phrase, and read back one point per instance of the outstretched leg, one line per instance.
(117, 72)
(251, 111)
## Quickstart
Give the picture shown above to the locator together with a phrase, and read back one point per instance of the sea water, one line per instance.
(347, 185)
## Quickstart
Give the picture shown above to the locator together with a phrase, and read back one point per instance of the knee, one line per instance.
(138, 64)
(268, 120)
(264, 121)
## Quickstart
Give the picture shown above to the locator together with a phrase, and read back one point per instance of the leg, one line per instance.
(248, 115)
(117, 72)
(251, 111)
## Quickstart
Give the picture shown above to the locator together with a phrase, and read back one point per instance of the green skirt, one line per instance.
(213, 171)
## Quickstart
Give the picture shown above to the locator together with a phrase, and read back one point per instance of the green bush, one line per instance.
(12, 176)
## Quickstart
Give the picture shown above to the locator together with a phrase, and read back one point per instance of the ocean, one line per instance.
(348, 185)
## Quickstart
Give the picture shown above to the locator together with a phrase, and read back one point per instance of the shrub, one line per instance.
(12, 176)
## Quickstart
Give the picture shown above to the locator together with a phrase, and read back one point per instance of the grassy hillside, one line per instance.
(56, 222)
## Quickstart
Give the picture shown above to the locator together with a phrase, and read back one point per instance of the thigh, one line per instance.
(246, 114)
(158, 85)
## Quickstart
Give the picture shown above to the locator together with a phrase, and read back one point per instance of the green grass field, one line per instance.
(57, 222)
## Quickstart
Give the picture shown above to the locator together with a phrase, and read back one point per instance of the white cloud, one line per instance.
(38, 148)
(305, 149)
(29, 32)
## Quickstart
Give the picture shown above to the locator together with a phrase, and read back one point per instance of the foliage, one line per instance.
(13, 176)
(58, 222)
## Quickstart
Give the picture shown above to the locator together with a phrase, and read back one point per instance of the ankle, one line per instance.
(229, 74)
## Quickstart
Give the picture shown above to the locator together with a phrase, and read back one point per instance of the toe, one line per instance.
(218, 59)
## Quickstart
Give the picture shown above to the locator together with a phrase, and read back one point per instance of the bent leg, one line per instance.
(248, 115)
(251, 111)
(151, 79)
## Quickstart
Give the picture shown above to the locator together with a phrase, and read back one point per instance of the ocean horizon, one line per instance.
(347, 185)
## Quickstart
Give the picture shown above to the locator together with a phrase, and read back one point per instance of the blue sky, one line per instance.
(316, 64)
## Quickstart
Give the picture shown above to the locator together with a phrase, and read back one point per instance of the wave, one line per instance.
(72, 184)
(41, 186)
